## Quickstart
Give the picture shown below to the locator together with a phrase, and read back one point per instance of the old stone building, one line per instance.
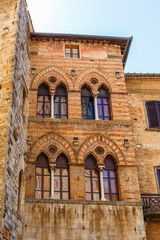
(79, 140)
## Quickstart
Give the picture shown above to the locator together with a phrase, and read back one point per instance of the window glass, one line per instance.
(92, 186)
(42, 178)
(103, 104)
(60, 103)
(61, 183)
(43, 102)
(110, 180)
(71, 52)
(87, 103)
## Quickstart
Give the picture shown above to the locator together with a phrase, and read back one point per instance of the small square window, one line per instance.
(153, 112)
(71, 52)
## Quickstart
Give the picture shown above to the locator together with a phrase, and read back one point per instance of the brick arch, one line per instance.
(35, 148)
(35, 81)
(80, 79)
(98, 137)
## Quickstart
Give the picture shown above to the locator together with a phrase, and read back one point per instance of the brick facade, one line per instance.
(29, 60)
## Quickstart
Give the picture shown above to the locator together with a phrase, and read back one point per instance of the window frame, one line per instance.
(157, 176)
(91, 177)
(60, 96)
(43, 115)
(102, 104)
(61, 191)
(109, 179)
(157, 111)
(87, 98)
(42, 176)
(71, 47)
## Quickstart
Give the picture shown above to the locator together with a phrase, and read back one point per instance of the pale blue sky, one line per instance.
(124, 18)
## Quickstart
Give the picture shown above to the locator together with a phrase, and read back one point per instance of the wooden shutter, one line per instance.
(152, 114)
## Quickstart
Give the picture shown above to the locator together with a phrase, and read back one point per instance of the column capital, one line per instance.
(95, 93)
(52, 166)
(52, 92)
(101, 167)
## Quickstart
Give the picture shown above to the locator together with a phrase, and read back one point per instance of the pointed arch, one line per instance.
(107, 141)
(37, 146)
(110, 83)
(38, 78)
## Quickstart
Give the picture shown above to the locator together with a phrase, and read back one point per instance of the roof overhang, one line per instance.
(123, 42)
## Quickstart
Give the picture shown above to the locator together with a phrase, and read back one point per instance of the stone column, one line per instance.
(52, 166)
(95, 94)
(52, 93)
(100, 168)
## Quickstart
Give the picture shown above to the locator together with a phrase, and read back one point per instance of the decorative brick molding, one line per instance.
(92, 71)
(38, 78)
(47, 138)
(107, 141)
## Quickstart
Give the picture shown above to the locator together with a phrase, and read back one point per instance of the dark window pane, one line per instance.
(113, 186)
(63, 109)
(95, 184)
(40, 108)
(106, 110)
(63, 99)
(88, 184)
(152, 114)
(47, 108)
(99, 101)
(96, 197)
(65, 184)
(38, 194)
(112, 174)
(64, 172)
(114, 197)
(88, 196)
(47, 98)
(56, 100)
(65, 195)
(105, 101)
(56, 109)
(46, 183)
(106, 185)
(40, 98)
(38, 182)
(39, 171)
(57, 183)
(57, 195)
(57, 171)
(105, 173)
(46, 195)
(100, 110)
(107, 197)
(95, 173)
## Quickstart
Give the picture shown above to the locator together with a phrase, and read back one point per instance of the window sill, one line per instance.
(152, 129)
(83, 202)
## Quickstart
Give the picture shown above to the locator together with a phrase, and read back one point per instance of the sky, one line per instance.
(120, 18)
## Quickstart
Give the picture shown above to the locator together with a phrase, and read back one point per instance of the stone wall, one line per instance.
(83, 220)
(14, 68)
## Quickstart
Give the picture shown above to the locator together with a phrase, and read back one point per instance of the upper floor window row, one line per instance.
(153, 112)
(55, 105)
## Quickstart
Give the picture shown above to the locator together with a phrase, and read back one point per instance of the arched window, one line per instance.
(42, 184)
(43, 102)
(110, 180)
(61, 178)
(103, 104)
(92, 183)
(87, 103)
(60, 102)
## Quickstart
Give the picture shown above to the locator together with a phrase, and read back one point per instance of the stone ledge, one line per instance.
(98, 122)
(84, 202)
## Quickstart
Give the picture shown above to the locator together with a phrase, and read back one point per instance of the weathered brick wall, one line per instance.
(146, 141)
(82, 220)
(14, 69)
